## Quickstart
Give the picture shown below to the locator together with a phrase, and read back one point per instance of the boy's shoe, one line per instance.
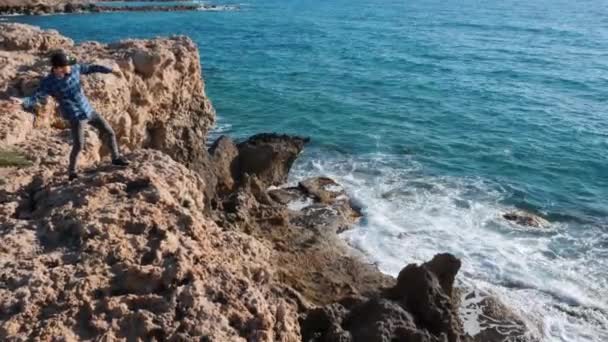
(120, 161)
(72, 176)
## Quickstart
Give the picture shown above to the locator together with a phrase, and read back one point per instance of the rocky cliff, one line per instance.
(188, 244)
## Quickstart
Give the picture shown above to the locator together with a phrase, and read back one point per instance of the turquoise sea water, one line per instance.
(437, 116)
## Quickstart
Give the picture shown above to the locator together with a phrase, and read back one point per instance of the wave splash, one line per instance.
(552, 276)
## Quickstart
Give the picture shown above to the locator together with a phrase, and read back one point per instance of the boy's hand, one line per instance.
(17, 102)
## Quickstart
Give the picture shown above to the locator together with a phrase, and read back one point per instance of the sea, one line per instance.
(437, 117)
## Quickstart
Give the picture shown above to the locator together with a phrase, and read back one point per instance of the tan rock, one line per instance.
(21, 37)
(130, 253)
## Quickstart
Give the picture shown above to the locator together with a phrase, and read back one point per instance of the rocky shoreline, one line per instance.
(9, 7)
(190, 243)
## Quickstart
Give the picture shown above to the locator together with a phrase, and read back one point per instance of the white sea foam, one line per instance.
(556, 276)
(333, 188)
(221, 128)
(299, 204)
(219, 8)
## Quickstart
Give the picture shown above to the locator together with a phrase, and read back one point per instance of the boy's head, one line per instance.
(61, 64)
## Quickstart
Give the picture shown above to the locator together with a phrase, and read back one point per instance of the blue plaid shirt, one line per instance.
(73, 104)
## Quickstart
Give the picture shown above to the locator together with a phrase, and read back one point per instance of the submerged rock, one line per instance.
(523, 218)
(322, 189)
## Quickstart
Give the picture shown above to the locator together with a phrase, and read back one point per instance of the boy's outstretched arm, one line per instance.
(86, 69)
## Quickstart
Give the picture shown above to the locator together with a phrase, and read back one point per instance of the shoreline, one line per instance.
(92, 7)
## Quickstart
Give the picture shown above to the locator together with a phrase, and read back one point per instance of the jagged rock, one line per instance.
(266, 156)
(380, 320)
(322, 189)
(269, 156)
(419, 290)
(319, 204)
(16, 125)
(128, 253)
(311, 258)
(415, 309)
(21, 37)
(526, 219)
(225, 158)
(286, 195)
(445, 267)
(324, 219)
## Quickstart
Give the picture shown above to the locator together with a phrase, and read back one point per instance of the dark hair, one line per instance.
(60, 59)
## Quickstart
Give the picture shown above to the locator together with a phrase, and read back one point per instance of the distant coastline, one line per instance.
(12, 7)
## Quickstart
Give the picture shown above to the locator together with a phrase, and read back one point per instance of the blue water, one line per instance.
(437, 116)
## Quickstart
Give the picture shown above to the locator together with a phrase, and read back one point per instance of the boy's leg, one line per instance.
(77, 130)
(107, 133)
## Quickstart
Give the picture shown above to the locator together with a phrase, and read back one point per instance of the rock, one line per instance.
(419, 290)
(16, 125)
(70, 8)
(319, 204)
(323, 189)
(523, 218)
(225, 158)
(331, 212)
(445, 267)
(355, 319)
(286, 195)
(269, 156)
(311, 258)
(415, 309)
(324, 219)
(384, 320)
(146, 63)
(493, 321)
(128, 253)
(21, 37)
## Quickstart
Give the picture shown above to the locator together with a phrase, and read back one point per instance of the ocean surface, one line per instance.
(437, 116)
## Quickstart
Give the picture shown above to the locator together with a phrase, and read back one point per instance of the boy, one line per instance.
(63, 84)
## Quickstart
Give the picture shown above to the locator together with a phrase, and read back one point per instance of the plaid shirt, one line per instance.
(73, 104)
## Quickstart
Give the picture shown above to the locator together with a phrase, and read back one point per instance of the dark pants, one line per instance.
(105, 131)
